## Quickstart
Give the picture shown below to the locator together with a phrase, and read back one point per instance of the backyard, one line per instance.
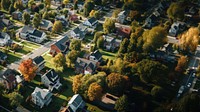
(108, 55)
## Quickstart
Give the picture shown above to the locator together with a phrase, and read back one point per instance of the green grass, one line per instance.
(1, 67)
(30, 44)
(108, 55)
(25, 50)
(197, 85)
(13, 57)
(93, 108)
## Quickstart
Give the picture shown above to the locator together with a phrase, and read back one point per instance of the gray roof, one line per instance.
(96, 54)
(42, 93)
(92, 20)
(63, 44)
(52, 76)
(83, 63)
(31, 31)
(45, 23)
(2, 35)
(38, 59)
(77, 101)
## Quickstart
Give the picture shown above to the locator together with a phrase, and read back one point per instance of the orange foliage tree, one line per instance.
(94, 91)
(28, 69)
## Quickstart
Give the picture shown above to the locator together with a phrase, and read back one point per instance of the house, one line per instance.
(76, 104)
(108, 101)
(73, 18)
(51, 80)
(6, 23)
(39, 62)
(85, 66)
(17, 15)
(63, 20)
(122, 17)
(19, 79)
(8, 79)
(77, 33)
(96, 56)
(46, 25)
(32, 34)
(150, 21)
(25, 2)
(41, 97)
(176, 28)
(3, 57)
(61, 46)
(5, 39)
(111, 43)
(91, 22)
(123, 32)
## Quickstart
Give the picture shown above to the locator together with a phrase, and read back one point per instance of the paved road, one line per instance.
(5, 109)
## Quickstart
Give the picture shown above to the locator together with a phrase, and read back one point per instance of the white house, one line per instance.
(51, 80)
(77, 34)
(91, 22)
(46, 25)
(4, 39)
(75, 103)
(32, 34)
(39, 62)
(96, 56)
(176, 28)
(122, 17)
(41, 97)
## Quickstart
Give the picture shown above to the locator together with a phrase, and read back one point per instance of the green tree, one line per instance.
(109, 25)
(94, 91)
(11, 8)
(48, 3)
(152, 71)
(26, 18)
(75, 45)
(123, 46)
(45, 15)
(57, 27)
(176, 10)
(154, 38)
(71, 57)
(76, 5)
(156, 91)
(115, 13)
(97, 35)
(15, 99)
(87, 8)
(198, 72)
(5, 4)
(65, 2)
(100, 42)
(36, 20)
(121, 104)
(95, 14)
(18, 5)
(1, 89)
(59, 61)
(30, 3)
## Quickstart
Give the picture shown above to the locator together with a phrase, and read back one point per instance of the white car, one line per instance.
(193, 75)
(189, 85)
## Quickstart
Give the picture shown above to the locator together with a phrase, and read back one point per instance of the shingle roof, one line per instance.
(81, 62)
(32, 31)
(63, 44)
(42, 93)
(96, 54)
(52, 76)
(38, 59)
(9, 75)
(92, 20)
(76, 100)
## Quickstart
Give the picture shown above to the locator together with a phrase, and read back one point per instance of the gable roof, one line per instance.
(96, 54)
(46, 23)
(9, 75)
(92, 20)
(63, 44)
(38, 59)
(3, 35)
(42, 93)
(32, 31)
(6, 21)
(52, 76)
(83, 63)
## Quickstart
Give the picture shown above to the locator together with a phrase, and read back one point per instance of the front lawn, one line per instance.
(108, 55)
(12, 57)
(30, 44)
(25, 50)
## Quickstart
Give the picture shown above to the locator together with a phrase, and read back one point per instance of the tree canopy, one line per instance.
(57, 27)
(94, 91)
(109, 25)
(36, 20)
(59, 61)
(121, 104)
(26, 18)
(176, 11)
(75, 45)
(15, 99)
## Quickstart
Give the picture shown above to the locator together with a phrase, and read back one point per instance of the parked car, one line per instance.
(189, 85)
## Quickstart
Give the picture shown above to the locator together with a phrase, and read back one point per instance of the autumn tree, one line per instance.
(97, 35)
(71, 57)
(176, 10)
(45, 15)
(116, 83)
(5, 4)
(48, 3)
(75, 45)
(65, 2)
(189, 40)
(133, 14)
(57, 27)
(115, 13)
(181, 65)
(18, 5)
(11, 8)
(94, 91)
(28, 69)
(76, 84)
(121, 104)
(94, 14)
(198, 72)
(87, 8)
(109, 25)
(15, 99)
(26, 18)
(154, 38)
(123, 46)
(36, 20)
(59, 61)
(100, 42)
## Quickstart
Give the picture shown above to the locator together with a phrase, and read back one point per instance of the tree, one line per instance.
(48, 3)
(88, 6)
(57, 27)
(45, 15)
(100, 42)
(76, 5)
(156, 91)
(182, 63)
(190, 39)
(115, 13)
(131, 57)
(5, 4)
(26, 18)
(36, 20)
(30, 3)
(18, 5)
(152, 71)
(154, 38)
(133, 14)
(59, 61)
(75, 45)
(97, 35)
(28, 69)
(94, 91)
(121, 104)
(11, 8)
(77, 82)
(71, 57)
(109, 25)
(198, 72)
(116, 83)
(94, 14)
(123, 46)
(65, 2)
(176, 10)
(15, 99)
(1, 89)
